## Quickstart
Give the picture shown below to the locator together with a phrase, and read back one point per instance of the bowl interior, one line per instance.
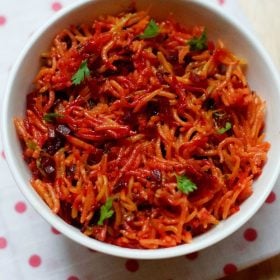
(261, 74)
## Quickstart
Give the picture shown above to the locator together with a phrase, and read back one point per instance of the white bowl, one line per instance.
(262, 76)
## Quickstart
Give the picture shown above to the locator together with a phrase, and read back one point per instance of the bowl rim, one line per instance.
(75, 234)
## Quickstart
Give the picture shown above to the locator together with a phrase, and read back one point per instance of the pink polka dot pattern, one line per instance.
(35, 261)
(72, 277)
(3, 242)
(271, 198)
(56, 6)
(230, 268)
(3, 155)
(192, 256)
(250, 234)
(2, 20)
(52, 258)
(132, 265)
(20, 207)
(55, 231)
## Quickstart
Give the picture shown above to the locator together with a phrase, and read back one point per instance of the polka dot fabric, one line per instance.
(34, 261)
(20, 207)
(32, 249)
(250, 234)
(132, 265)
(3, 243)
(271, 198)
(2, 20)
(229, 269)
(56, 6)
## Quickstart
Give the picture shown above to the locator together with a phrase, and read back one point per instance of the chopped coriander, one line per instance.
(31, 145)
(185, 185)
(39, 166)
(198, 43)
(106, 211)
(225, 129)
(81, 73)
(50, 117)
(151, 31)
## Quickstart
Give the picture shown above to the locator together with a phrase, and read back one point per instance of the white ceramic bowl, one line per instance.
(262, 77)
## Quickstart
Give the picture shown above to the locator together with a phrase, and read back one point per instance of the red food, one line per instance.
(105, 150)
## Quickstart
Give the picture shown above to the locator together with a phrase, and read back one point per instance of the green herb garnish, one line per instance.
(50, 117)
(106, 211)
(151, 31)
(225, 129)
(198, 43)
(31, 145)
(185, 185)
(81, 73)
(38, 165)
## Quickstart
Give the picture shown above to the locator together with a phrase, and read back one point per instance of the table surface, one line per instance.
(266, 22)
(267, 270)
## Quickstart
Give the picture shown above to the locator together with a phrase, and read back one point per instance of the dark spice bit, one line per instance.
(122, 183)
(160, 75)
(106, 146)
(70, 170)
(162, 37)
(188, 227)
(222, 69)
(188, 59)
(173, 58)
(209, 104)
(53, 143)
(30, 100)
(91, 103)
(95, 158)
(95, 218)
(124, 66)
(156, 175)
(68, 42)
(144, 206)
(152, 108)
(177, 131)
(63, 129)
(47, 167)
(130, 118)
(162, 148)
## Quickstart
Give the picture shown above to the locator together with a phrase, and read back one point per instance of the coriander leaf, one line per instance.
(39, 166)
(50, 117)
(31, 145)
(225, 129)
(106, 212)
(198, 43)
(81, 73)
(185, 185)
(151, 31)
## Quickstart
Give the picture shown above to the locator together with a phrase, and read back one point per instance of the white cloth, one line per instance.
(29, 249)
